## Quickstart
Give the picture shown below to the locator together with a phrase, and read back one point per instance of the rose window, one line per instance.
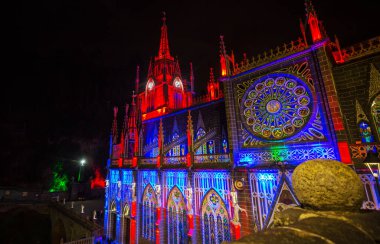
(276, 108)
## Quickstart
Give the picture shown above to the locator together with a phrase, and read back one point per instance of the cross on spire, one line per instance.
(164, 51)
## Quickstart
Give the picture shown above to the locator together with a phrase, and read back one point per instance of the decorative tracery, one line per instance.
(263, 189)
(215, 221)
(177, 222)
(148, 216)
(375, 110)
(276, 107)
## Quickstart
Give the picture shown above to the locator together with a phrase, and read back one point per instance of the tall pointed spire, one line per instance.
(312, 20)
(191, 78)
(374, 82)
(164, 51)
(212, 78)
(125, 122)
(137, 79)
(114, 125)
(175, 126)
(223, 58)
(200, 123)
(360, 115)
(177, 69)
(150, 70)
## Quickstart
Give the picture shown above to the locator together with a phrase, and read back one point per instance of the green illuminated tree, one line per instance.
(60, 179)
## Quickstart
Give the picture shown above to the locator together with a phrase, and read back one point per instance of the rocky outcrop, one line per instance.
(327, 185)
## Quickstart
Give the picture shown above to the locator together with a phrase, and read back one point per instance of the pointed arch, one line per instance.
(126, 224)
(148, 213)
(126, 210)
(374, 82)
(215, 220)
(375, 113)
(177, 220)
(112, 220)
(113, 206)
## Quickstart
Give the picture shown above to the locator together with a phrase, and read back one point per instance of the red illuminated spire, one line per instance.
(137, 79)
(223, 57)
(132, 125)
(191, 78)
(177, 69)
(125, 123)
(150, 70)
(114, 125)
(212, 78)
(164, 51)
(225, 60)
(313, 21)
(213, 87)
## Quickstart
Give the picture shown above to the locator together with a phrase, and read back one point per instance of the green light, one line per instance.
(60, 179)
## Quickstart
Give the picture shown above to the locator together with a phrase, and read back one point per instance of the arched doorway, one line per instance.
(126, 225)
(148, 213)
(215, 221)
(177, 220)
(112, 227)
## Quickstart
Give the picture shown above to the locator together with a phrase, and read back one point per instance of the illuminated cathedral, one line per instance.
(188, 169)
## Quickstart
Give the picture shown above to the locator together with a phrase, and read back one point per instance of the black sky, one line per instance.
(69, 62)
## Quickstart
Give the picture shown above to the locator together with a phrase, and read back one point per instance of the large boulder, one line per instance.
(327, 185)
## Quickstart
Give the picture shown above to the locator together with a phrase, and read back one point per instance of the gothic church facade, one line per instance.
(187, 169)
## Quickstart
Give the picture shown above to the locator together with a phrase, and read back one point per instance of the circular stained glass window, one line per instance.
(277, 107)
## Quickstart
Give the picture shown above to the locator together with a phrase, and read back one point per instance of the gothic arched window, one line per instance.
(203, 148)
(148, 216)
(200, 133)
(176, 150)
(215, 222)
(112, 221)
(177, 219)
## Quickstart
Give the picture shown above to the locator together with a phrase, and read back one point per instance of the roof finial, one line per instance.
(212, 78)
(163, 18)
(114, 125)
(191, 78)
(164, 51)
(137, 82)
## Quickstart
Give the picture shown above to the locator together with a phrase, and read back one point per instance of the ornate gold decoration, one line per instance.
(266, 57)
(374, 82)
(360, 115)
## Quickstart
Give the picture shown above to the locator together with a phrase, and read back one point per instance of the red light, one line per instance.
(98, 181)
(344, 152)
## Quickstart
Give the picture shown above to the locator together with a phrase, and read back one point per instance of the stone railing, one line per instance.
(174, 143)
(273, 54)
(148, 161)
(127, 162)
(359, 151)
(115, 163)
(175, 160)
(212, 158)
(89, 240)
(356, 51)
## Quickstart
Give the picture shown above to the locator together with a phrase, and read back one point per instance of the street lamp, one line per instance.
(81, 164)
(372, 162)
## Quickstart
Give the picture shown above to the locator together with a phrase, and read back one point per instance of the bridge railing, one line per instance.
(89, 240)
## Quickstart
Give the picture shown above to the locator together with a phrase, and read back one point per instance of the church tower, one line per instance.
(165, 89)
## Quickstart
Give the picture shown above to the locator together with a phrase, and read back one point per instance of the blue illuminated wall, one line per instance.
(281, 113)
(210, 117)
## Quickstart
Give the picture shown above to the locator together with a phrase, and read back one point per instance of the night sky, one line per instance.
(69, 62)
